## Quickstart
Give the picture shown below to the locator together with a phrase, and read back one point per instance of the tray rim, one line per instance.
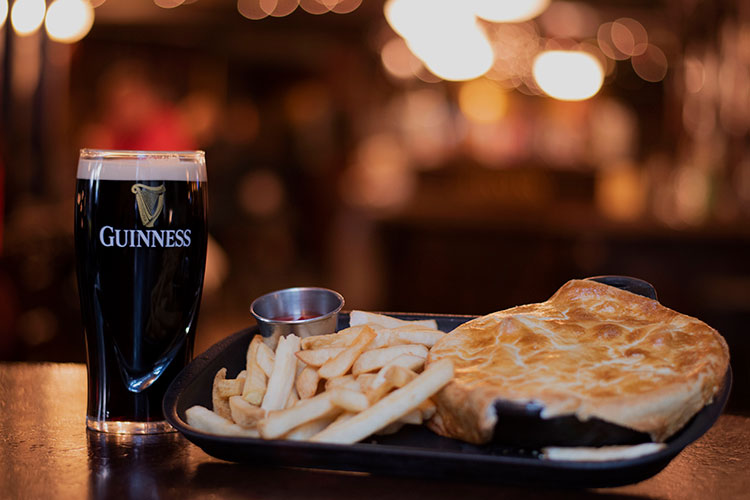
(191, 373)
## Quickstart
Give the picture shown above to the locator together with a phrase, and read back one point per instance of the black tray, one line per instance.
(413, 451)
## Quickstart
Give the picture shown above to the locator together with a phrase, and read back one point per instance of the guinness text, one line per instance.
(137, 238)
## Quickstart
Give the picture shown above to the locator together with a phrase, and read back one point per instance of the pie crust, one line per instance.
(591, 350)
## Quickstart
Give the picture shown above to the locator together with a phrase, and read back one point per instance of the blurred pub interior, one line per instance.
(438, 156)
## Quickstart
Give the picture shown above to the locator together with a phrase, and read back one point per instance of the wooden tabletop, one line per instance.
(46, 452)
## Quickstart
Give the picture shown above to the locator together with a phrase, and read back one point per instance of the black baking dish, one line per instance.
(416, 451)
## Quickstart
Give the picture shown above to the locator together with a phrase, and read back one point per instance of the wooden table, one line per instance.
(46, 452)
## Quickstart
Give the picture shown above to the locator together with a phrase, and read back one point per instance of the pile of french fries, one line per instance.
(336, 388)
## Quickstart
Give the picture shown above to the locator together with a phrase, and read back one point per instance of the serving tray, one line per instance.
(415, 450)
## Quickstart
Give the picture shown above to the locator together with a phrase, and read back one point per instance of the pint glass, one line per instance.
(140, 238)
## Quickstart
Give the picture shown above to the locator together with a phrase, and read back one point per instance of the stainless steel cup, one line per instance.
(303, 311)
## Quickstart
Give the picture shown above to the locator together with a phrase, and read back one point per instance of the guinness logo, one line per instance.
(150, 201)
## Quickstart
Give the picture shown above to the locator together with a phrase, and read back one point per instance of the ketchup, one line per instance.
(303, 316)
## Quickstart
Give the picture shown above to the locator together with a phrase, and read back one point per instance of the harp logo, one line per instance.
(150, 200)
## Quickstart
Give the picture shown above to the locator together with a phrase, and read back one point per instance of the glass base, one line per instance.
(119, 427)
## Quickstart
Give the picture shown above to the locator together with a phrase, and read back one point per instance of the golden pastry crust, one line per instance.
(591, 350)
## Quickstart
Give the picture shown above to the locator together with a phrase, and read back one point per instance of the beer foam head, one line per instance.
(99, 164)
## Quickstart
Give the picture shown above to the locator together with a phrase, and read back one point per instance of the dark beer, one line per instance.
(140, 236)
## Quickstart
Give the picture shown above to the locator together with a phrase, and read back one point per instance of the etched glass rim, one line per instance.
(135, 154)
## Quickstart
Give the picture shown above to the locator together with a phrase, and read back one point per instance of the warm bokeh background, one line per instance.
(426, 170)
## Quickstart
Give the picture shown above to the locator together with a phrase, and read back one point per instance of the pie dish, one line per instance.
(591, 354)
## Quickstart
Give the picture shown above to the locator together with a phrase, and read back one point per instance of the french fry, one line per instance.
(307, 382)
(404, 334)
(407, 334)
(389, 377)
(363, 317)
(265, 358)
(409, 362)
(398, 375)
(345, 381)
(376, 391)
(340, 364)
(245, 414)
(318, 357)
(304, 431)
(281, 381)
(378, 358)
(292, 399)
(277, 423)
(342, 338)
(205, 420)
(349, 400)
(343, 417)
(414, 417)
(390, 408)
(399, 371)
(232, 386)
(371, 384)
(255, 380)
(365, 381)
(220, 403)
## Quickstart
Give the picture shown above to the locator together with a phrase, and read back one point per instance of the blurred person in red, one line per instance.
(135, 115)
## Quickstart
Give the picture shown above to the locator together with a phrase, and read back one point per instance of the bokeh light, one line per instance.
(251, 9)
(461, 54)
(515, 46)
(507, 11)
(568, 75)
(68, 21)
(651, 65)
(613, 126)
(425, 124)
(3, 12)
(482, 101)
(444, 35)
(27, 16)
(631, 37)
(316, 7)
(346, 6)
(620, 192)
(570, 20)
(607, 64)
(424, 74)
(692, 191)
(695, 74)
(604, 37)
(168, 4)
(405, 16)
(398, 60)
(698, 117)
(279, 8)
(380, 177)
(267, 6)
(622, 38)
